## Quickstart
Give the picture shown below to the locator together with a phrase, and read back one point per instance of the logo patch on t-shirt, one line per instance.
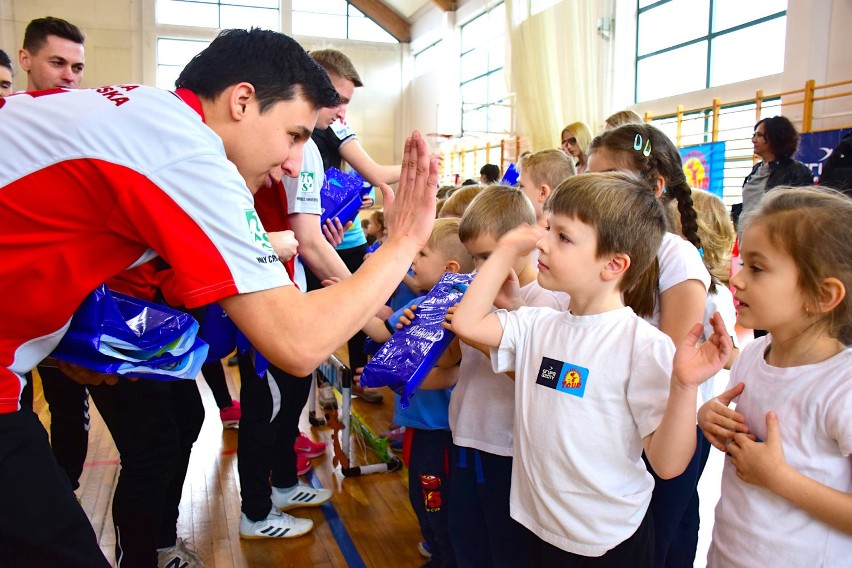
(258, 234)
(306, 182)
(562, 376)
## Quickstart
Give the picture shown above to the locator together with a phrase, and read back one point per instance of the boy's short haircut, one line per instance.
(458, 201)
(38, 30)
(275, 64)
(445, 240)
(550, 167)
(495, 211)
(336, 62)
(626, 217)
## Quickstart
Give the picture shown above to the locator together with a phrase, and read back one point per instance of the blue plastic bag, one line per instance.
(404, 361)
(511, 176)
(218, 331)
(341, 195)
(119, 334)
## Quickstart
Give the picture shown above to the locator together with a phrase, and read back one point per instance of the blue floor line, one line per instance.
(338, 530)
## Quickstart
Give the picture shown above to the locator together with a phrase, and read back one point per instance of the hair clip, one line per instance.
(701, 251)
(637, 142)
(637, 145)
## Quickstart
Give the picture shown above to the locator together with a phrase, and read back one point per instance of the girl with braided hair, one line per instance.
(671, 295)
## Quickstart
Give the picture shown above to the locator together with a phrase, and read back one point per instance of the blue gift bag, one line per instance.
(404, 361)
(118, 334)
(341, 195)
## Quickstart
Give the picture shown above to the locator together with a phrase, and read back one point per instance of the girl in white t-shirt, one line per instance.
(787, 482)
(670, 296)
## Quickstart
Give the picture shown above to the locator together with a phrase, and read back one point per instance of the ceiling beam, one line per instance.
(379, 12)
(446, 5)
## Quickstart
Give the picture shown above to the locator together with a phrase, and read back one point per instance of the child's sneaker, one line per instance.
(179, 555)
(275, 525)
(327, 400)
(306, 447)
(303, 464)
(231, 415)
(423, 549)
(300, 495)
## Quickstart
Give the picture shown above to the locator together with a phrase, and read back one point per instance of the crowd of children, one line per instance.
(570, 420)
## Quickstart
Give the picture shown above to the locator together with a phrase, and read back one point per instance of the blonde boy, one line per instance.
(427, 425)
(482, 402)
(443, 253)
(541, 173)
(595, 385)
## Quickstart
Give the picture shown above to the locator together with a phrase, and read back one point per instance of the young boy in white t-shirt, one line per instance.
(482, 404)
(595, 385)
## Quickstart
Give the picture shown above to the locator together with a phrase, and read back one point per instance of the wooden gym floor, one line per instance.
(368, 521)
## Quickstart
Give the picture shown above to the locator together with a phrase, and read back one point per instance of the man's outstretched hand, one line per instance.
(410, 212)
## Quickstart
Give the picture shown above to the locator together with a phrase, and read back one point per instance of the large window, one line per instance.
(172, 57)
(220, 14)
(688, 45)
(485, 105)
(336, 19)
(185, 27)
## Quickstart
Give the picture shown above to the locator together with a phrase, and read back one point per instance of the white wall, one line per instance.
(376, 112)
(109, 27)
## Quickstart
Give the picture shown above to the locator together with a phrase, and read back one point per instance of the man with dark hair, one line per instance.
(6, 74)
(180, 186)
(52, 55)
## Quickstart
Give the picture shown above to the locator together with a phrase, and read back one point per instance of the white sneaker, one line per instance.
(179, 556)
(275, 525)
(300, 495)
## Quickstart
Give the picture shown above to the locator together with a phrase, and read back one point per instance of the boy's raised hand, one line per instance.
(693, 363)
(718, 422)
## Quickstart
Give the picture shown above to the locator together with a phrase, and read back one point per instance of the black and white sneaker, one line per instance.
(302, 495)
(179, 556)
(275, 525)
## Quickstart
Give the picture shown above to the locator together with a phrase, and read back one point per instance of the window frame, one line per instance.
(490, 70)
(709, 37)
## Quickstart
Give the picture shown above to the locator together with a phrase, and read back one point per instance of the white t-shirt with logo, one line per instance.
(303, 193)
(588, 389)
(96, 180)
(482, 405)
(755, 527)
(304, 196)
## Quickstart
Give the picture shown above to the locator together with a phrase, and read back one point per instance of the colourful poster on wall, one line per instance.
(816, 147)
(704, 166)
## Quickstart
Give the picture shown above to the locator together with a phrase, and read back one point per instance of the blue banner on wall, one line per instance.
(816, 147)
(704, 166)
